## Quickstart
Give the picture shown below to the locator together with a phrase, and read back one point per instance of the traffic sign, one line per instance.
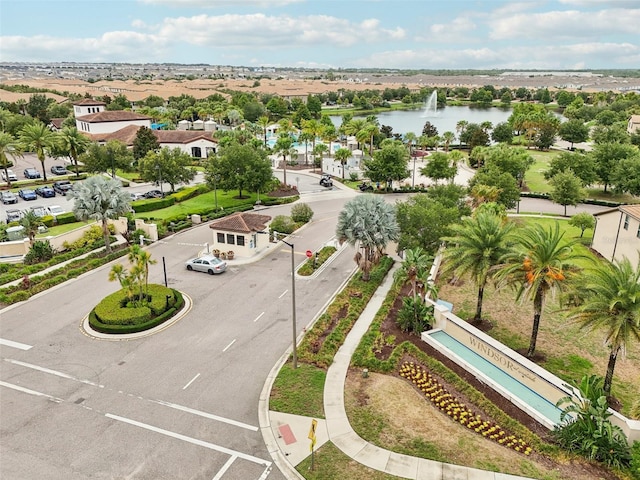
(309, 254)
(312, 431)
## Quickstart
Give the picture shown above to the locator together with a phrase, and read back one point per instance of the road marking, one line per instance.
(224, 468)
(228, 346)
(10, 343)
(54, 372)
(30, 392)
(194, 441)
(192, 380)
(283, 293)
(210, 416)
(258, 317)
(266, 473)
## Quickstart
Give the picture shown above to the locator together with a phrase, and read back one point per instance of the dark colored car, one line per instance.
(9, 197)
(58, 170)
(31, 173)
(325, 180)
(365, 187)
(45, 192)
(27, 194)
(154, 194)
(62, 186)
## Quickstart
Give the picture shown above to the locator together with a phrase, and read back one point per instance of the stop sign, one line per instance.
(309, 254)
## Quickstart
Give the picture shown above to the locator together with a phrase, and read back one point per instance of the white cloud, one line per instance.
(565, 24)
(262, 31)
(609, 3)
(456, 31)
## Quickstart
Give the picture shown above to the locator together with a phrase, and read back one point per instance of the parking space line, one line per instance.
(190, 382)
(283, 293)
(193, 441)
(258, 317)
(225, 467)
(18, 345)
(229, 346)
(210, 416)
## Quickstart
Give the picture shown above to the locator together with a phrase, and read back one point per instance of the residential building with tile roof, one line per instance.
(617, 233)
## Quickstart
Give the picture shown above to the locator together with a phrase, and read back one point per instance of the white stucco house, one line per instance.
(633, 126)
(197, 144)
(93, 118)
(617, 233)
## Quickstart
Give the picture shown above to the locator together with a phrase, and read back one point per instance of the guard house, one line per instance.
(243, 233)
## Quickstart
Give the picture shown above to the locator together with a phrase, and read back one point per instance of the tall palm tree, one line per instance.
(74, 143)
(37, 138)
(100, 198)
(283, 146)
(353, 127)
(538, 265)
(319, 150)
(314, 129)
(611, 293)
(9, 147)
(263, 122)
(342, 155)
(447, 139)
(367, 133)
(367, 222)
(30, 222)
(476, 246)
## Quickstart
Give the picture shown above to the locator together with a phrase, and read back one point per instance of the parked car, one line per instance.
(31, 173)
(39, 211)
(137, 196)
(62, 186)
(55, 210)
(27, 194)
(13, 215)
(325, 180)
(9, 197)
(206, 263)
(154, 194)
(45, 191)
(10, 175)
(59, 170)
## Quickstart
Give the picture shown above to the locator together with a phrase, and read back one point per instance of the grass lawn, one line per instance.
(534, 178)
(299, 391)
(200, 202)
(60, 229)
(131, 176)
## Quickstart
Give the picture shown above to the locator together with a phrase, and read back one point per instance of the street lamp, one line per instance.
(160, 179)
(293, 296)
(215, 189)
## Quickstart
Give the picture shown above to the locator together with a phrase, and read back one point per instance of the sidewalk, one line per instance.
(286, 435)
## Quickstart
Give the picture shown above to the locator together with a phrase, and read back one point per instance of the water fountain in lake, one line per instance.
(431, 106)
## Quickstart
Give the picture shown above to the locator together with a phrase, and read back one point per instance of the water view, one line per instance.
(444, 119)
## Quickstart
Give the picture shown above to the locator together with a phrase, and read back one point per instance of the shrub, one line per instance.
(65, 218)
(635, 460)
(110, 310)
(19, 296)
(89, 237)
(40, 251)
(283, 224)
(48, 220)
(415, 315)
(301, 213)
(153, 204)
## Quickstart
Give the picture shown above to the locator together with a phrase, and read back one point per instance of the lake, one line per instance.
(445, 119)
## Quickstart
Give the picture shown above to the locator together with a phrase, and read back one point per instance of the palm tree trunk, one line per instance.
(537, 312)
(105, 232)
(478, 316)
(284, 159)
(608, 378)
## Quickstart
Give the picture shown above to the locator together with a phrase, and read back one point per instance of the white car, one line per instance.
(9, 174)
(55, 210)
(206, 263)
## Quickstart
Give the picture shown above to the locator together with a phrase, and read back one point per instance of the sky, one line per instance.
(394, 34)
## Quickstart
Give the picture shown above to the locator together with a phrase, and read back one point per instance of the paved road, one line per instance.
(178, 404)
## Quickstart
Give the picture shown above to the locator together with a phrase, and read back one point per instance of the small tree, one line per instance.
(167, 165)
(567, 190)
(144, 143)
(136, 280)
(30, 222)
(301, 213)
(582, 220)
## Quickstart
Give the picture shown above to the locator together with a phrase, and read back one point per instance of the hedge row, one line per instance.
(588, 201)
(177, 301)
(40, 283)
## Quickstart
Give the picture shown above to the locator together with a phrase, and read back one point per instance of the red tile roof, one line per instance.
(633, 210)
(112, 116)
(89, 102)
(241, 222)
(128, 134)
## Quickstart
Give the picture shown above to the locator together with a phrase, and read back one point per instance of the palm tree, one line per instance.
(367, 222)
(367, 133)
(539, 264)
(475, 246)
(37, 138)
(353, 127)
(283, 146)
(314, 129)
(263, 123)
(74, 143)
(100, 198)
(342, 155)
(8, 147)
(612, 303)
(30, 222)
(447, 139)
(461, 127)
(415, 271)
(319, 150)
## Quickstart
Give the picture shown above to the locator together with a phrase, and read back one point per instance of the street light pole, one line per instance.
(215, 190)
(293, 305)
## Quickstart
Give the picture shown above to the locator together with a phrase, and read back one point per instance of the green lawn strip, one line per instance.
(60, 229)
(300, 391)
(534, 178)
(131, 176)
(330, 463)
(201, 202)
(307, 268)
